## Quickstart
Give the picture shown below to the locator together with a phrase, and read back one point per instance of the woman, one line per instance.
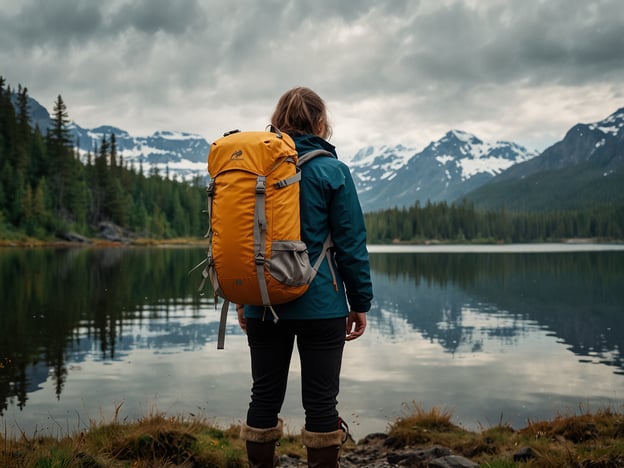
(329, 313)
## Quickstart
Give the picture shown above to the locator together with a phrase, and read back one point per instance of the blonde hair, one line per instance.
(300, 111)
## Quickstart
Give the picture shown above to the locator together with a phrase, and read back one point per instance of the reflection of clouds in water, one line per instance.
(171, 329)
(534, 378)
(204, 382)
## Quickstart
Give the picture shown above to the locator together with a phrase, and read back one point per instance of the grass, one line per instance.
(155, 441)
(585, 440)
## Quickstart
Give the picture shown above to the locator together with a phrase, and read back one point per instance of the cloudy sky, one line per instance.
(391, 72)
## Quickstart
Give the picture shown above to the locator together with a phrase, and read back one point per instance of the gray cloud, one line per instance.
(410, 69)
(153, 16)
(58, 23)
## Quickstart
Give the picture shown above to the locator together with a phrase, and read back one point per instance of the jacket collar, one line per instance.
(307, 143)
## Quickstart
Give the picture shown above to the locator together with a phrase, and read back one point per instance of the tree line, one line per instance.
(47, 188)
(463, 222)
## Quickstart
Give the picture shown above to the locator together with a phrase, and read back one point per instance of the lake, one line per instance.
(490, 333)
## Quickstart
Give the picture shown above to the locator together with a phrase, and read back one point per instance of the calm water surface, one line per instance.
(506, 334)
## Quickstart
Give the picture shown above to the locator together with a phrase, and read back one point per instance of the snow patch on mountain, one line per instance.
(474, 156)
(177, 136)
(381, 162)
(611, 125)
(493, 166)
(394, 157)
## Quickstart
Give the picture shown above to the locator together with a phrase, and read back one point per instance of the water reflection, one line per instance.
(65, 305)
(127, 322)
(578, 297)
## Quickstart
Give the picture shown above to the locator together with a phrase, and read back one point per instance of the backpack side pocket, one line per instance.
(289, 263)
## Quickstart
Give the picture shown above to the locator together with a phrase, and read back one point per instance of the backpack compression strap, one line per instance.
(260, 227)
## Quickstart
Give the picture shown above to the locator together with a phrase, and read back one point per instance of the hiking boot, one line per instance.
(260, 444)
(324, 447)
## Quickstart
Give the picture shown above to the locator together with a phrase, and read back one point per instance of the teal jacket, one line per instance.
(329, 202)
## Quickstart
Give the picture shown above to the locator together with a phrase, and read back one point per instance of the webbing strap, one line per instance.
(208, 235)
(222, 324)
(325, 252)
(288, 181)
(260, 227)
(273, 313)
(311, 155)
(210, 190)
(331, 268)
(209, 272)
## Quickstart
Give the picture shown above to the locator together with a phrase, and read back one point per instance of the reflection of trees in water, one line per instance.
(58, 301)
(58, 306)
(579, 296)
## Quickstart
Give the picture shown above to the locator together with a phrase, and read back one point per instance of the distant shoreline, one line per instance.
(101, 243)
(545, 247)
(567, 245)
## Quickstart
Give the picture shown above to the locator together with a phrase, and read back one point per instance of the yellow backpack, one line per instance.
(255, 252)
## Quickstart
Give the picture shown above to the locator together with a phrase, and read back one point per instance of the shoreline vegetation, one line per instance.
(201, 242)
(587, 439)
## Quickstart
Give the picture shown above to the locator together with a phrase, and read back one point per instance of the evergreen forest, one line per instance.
(48, 189)
(462, 222)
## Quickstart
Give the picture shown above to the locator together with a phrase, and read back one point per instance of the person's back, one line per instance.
(331, 311)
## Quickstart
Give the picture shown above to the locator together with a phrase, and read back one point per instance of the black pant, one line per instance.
(320, 344)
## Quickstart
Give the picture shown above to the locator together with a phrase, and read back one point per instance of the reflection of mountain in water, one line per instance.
(577, 296)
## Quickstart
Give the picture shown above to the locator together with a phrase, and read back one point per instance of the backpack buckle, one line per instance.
(259, 258)
(260, 185)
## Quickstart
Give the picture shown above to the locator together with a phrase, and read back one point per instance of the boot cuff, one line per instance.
(323, 439)
(253, 434)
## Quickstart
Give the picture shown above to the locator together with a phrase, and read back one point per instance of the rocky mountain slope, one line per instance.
(584, 169)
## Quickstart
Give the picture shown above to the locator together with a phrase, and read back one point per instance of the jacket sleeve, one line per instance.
(349, 236)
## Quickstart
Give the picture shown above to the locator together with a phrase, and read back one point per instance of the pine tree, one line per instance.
(60, 152)
(4, 106)
(113, 154)
(23, 131)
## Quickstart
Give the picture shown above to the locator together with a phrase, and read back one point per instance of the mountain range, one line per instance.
(179, 154)
(584, 170)
(586, 167)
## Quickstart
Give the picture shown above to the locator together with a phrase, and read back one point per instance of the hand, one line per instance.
(356, 324)
(242, 321)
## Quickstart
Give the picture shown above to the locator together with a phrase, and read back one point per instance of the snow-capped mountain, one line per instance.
(445, 170)
(182, 155)
(584, 169)
(597, 143)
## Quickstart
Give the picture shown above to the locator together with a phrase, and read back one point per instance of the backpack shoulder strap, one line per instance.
(328, 244)
(311, 155)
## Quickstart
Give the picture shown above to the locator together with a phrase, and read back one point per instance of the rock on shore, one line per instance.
(379, 451)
